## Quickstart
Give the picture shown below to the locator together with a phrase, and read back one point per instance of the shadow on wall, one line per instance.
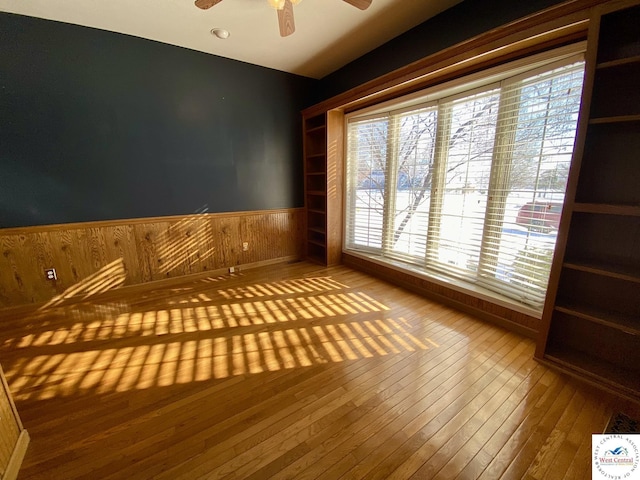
(187, 242)
(107, 278)
(182, 243)
(158, 249)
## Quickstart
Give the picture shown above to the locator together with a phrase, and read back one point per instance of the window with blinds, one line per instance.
(468, 180)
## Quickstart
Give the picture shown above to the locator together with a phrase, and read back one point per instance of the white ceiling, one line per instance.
(329, 33)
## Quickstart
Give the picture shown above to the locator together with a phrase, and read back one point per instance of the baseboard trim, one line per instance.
(169, 282)
(31, 308)
(138, 221)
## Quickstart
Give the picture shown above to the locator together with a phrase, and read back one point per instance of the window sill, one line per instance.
(448, 282)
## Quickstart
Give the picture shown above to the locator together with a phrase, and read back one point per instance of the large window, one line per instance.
(468, 180)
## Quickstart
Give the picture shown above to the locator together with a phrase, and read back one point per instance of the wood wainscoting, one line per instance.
(95, 257)
(14, 439)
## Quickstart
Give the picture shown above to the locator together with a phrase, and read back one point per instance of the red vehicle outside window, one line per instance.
(543, 216)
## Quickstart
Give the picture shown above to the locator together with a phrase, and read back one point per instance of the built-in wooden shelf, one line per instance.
(621, 272)
(316, 252)
(615, 119)
(619, 62)
(590, 326)
(587, 367)
(323, 185)
(625, 323)
(608, 209)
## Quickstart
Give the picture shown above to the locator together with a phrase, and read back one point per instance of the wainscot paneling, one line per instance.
(95, 257)
(513, 320)
(13, 437)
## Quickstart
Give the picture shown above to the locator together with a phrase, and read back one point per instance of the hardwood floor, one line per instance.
(293, 371)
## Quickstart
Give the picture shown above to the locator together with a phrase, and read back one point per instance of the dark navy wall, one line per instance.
(459, 23)
(96, 125)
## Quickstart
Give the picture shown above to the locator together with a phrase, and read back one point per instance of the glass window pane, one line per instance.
(416, 138)
(367, 160)
(467, 173)
(471, 186)
(543, 144)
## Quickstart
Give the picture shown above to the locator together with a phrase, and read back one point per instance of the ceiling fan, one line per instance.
(285, 11)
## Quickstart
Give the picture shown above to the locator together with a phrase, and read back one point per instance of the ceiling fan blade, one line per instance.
(361, 4)
(285, 19)
(205, 4)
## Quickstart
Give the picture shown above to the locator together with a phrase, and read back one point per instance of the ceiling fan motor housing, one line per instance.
(285, 11)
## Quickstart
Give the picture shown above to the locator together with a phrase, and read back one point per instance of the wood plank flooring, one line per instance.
(293, 371)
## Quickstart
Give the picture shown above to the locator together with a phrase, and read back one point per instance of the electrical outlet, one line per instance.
(232, 269)
(50, 274)
(245, 246)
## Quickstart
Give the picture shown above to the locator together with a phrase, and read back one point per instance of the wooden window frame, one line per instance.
(548, 29)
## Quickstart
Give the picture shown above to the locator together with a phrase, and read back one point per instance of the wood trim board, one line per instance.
(13, 468)
(549, 28)
(510, 319)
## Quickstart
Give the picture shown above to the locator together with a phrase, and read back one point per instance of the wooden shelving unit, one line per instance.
(591, 320)
(323, 165)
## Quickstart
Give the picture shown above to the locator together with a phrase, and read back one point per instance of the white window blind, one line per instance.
(471, 185)
(367, 182)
